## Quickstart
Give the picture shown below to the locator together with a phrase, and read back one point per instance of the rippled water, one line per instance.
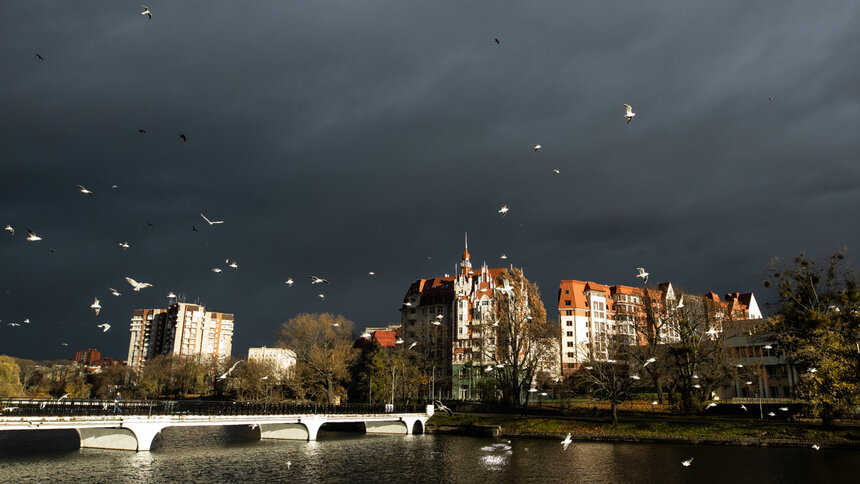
(234, 454)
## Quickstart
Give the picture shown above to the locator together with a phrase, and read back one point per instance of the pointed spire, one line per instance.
(465, 264)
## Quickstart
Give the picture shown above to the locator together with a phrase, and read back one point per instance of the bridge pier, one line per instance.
(132, 436)
(307, 429)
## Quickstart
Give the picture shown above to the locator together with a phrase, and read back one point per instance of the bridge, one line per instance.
(133, 425)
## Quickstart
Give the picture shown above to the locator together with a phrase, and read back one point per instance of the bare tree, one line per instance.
(519, 340)
(610, 379)
(324, 351)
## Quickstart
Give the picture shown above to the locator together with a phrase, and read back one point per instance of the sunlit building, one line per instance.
(591, 313)
(182, 330)
(281, 360)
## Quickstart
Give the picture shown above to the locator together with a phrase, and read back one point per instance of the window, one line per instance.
(460, 357)
(570, 323)
(568, 313)
(464, 373)
(567, 302)
(566, 291)
(570, 354)
(570, 344)
(570, 334)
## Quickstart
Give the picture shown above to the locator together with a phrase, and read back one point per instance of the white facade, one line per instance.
(281, 359)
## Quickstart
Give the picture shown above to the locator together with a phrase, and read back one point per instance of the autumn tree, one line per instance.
(520, 339)
(10, 380)
(324, 351)
(817, 324)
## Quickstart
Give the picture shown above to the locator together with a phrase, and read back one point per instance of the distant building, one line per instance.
(282, 360)
(589, 313)
(87, 357)
(182, 330)
(379, 338)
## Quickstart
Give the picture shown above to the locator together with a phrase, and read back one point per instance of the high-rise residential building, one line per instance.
(589, 313)
(282, 360)
(183, 330)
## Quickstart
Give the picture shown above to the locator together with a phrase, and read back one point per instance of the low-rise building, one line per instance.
(282, 360)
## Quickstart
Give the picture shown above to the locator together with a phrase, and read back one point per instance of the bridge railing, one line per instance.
(86, 407)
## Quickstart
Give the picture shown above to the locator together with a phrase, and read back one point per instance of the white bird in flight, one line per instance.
(13, 324)
(371, 273)
(317, 280)
(27, 321)
(96, 306)
(170, 295)
(744, 408)
(783, 409)
(413, 344)
(9, 229)
(365, 335)
(712, 332)
(234, 265)
(635, 377)
(711, 405)
(680, 303)
(224, 376)
(504, 210)
(211, 222)
(771, 414)
(84, 190)
(64, 396)
(146, 12)
(536, 147)
(216, 270)
(649, 361)
(124, 245)
(629, 115)
(686, 463)
(813, 370)
(566, 442)
(114, 291)
(642, 274)
(322, 296)
(137, 285)
(104, 327)
(556, 171)
(289, 282)
(32, 237)
(816, 446)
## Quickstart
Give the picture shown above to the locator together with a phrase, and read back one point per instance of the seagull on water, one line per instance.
(686, 463)
(104, 327)
(124, 245)
(290, 282)
(114, 291)
(642, 274)
(317, 280)
(146, 12)
(96, 306)
(211, 222)
(629, 115)
(84, 190)
(9, 229)
(137, 285)
(566, 442)
(504, 210)
(32, 237)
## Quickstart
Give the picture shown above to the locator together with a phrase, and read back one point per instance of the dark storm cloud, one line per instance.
(337, 138)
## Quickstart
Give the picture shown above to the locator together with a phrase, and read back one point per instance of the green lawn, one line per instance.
(668, 427)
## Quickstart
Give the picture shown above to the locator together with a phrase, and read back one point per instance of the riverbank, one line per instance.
(687, 431)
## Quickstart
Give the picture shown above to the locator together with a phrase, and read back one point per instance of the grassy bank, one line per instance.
(710, 429)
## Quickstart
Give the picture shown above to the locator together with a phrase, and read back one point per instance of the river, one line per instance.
(234, 454)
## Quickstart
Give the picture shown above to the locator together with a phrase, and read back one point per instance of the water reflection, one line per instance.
(235, 454)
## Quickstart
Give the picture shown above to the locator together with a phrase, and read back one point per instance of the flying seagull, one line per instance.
(680, 303)
(503, 210)
(289, 282)
(629, 115)
(104, 327)
(816, 446)
(635, 377)
(317, 280)
(65, 395)
(183, 137)
(216, 270)
(536, 147)
(371, 273)
(413, 344)
(649, 361)
(84, 190)
(556, 171)
(211, 222)
(322, 296)
(642, 274)
(40, 57)
(65, 344)
(137, 285)
(686, 463)
(744, 408)
(771, 414)
(27, 321)
(114, 291)
(193, 228)
(96, 306)
(812, 370)
(566, 442)
(234, 265)
(712, 332)
(9, 229)
(711, 405)
(170, 295)
(496, 40)
(365, 335)
(783, 409)
(124, 245)
(13, 324)
(224, 376)
(141, 131)
(33, 237)
(146, 12)
(503, 256)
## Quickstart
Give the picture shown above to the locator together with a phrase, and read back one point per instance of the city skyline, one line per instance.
(338, 140)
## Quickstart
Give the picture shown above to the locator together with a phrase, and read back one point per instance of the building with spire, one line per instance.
(442, 314)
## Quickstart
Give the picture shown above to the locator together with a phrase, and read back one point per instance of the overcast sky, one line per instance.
(336, 138)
